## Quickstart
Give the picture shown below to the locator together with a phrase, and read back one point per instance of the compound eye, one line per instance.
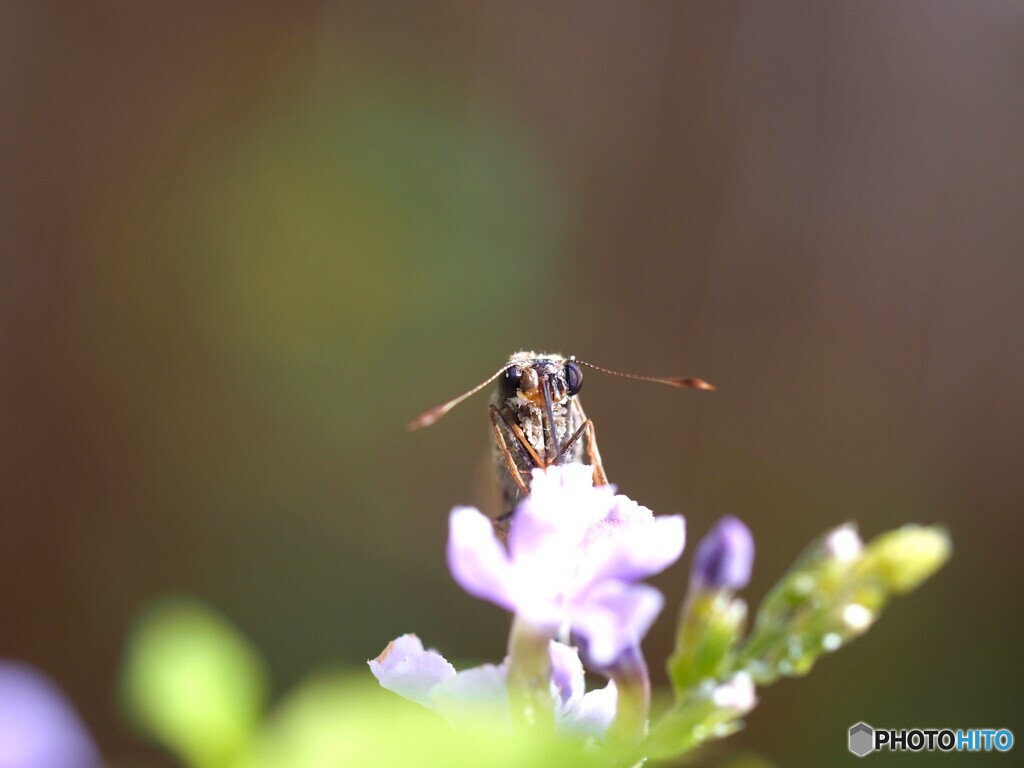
(573, 378)
(508, 384)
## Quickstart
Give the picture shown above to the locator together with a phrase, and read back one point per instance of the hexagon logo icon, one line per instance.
(862, 739)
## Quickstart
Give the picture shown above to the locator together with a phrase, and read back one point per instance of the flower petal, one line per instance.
(537, 535)
(408, 670)
(397, 651)
(38, 727)
(631, 544)
(566, 481)
(614, 616)
(472, 694)
(567, 678)
(476, 558)
(594, 712)
(544, 539)
(562, 504)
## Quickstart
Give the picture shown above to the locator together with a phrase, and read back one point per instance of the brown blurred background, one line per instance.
(241, 246)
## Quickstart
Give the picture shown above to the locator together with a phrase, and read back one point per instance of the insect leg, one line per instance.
(499, 438)
(575, 436)
(518, 432)
(551, 446)
(600, 478)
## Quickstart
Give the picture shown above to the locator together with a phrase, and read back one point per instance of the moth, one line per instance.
(538, 421)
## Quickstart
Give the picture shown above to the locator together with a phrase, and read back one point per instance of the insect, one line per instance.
(538, 421)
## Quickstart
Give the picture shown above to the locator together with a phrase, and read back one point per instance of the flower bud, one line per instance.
(724, 557)
(843, 544)
(907, 556)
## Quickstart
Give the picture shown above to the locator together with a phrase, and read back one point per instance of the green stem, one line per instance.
(634, 689)
(529, 675)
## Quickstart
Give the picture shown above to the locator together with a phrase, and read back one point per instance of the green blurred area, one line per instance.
(242, 246)
(195, 686)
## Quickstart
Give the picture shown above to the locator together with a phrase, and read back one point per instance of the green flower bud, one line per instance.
(904, 558)
(836, 592)
(710, 627)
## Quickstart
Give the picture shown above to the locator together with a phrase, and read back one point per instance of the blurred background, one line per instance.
(241, 246)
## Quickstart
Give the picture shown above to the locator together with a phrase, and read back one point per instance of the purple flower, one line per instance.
(38, 727)
(575, 553)
(424, 676)
(410, 671)
(724, 557)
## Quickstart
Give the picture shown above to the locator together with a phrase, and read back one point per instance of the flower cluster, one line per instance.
(573, 570)
(575, 556)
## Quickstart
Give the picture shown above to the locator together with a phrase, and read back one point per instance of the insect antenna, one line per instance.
(681, 383)
(428, 417)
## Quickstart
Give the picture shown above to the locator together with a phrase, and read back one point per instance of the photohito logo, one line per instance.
(865, 739)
